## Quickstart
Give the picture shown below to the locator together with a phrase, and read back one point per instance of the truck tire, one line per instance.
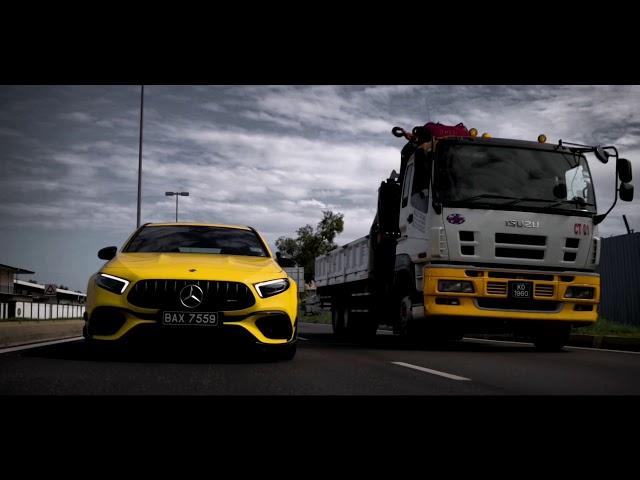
(551, 338)
(404, 326)
(337, 320)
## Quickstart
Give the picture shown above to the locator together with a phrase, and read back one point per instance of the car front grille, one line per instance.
(217, 295)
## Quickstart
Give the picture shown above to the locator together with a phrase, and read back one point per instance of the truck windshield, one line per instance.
(514, 177)
(196, 239)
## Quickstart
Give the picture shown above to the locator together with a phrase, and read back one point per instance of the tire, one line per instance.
(404, 325)
(337, 320)
(552, 338)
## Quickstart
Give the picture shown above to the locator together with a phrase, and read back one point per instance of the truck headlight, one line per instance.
(458, 286)
(579, 292)
(272, 287)
(111, 283)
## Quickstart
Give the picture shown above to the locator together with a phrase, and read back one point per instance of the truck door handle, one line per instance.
(410, 218)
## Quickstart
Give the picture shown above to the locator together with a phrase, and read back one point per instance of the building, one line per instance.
(8, 279)
(22, 299)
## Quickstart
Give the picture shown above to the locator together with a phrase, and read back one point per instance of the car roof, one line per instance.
(196, 224)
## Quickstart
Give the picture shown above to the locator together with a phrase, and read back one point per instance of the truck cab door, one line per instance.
(414, 204)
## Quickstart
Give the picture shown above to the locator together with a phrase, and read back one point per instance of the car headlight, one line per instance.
(272, 287)
(579, 292)
(455, 286)
(111, 283)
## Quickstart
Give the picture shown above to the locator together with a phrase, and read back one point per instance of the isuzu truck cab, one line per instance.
(476, 235)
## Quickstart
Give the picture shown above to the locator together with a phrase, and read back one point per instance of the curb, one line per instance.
(610, 342)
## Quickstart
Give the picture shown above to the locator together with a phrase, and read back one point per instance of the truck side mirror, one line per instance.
(285, 261)
(626, 192)
(623, 166)
(107, 253)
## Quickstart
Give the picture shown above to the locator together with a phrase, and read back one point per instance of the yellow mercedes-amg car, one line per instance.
(190, 280)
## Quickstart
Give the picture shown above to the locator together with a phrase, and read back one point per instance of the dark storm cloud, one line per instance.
(270, 156)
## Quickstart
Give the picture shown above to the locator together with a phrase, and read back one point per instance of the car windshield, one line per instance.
(509, 176)
(197, 239)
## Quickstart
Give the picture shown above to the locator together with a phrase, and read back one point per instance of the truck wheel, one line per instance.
(552, 338)
(337, 320)
(405, 317)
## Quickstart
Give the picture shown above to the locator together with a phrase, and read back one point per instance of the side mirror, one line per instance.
(107, 253)
(624, 170)
(626, 192)
(601, 154)
(285, 261)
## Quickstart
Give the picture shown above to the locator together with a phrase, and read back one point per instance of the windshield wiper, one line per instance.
(578, 202)
(483, 196)
(516, 200)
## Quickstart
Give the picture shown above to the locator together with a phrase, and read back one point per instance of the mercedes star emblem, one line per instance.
(191, 296)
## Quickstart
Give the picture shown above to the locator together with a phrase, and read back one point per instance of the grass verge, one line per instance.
(606, 327)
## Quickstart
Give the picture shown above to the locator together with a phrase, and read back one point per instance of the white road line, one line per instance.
(434, 372)
(39, 344)
(568, 346)
(302, 338)
(604, 350)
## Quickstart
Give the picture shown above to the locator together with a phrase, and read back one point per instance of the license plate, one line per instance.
(209, 319)
(521, 290)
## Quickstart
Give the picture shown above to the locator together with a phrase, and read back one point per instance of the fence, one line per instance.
(41, 311)
(620, 279)
(297, 273)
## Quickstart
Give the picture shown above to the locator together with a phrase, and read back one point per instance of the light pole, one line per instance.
(176, 194)
(140, 156)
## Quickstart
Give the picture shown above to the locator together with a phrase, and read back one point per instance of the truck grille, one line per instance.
(496, 288)
(513, 245)
(543, 290)
(218, 295)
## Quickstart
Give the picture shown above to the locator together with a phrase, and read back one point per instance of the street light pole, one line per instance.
(140, 157)
(177, 194)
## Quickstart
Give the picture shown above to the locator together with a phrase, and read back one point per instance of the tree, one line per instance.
(309, 244)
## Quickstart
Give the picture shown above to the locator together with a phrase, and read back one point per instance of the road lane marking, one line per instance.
(39, 344)
(434, 372)
(566, 346)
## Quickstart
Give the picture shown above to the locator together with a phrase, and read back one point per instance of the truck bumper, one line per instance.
(491, 299)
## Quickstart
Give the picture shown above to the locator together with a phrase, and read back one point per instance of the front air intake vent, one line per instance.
(572, 243)
(569, 256)
(519, 253)
(466, 236)
(543, 290)
(467, 250)
(517, 239)
(496, 288)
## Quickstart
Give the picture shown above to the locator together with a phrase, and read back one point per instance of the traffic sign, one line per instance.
(50, 289)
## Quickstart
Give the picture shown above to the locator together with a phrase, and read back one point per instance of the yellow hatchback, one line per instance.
(191, 280)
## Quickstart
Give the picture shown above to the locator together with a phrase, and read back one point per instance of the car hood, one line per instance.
(137, 266)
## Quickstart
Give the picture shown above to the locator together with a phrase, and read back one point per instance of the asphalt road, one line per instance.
(323, 365)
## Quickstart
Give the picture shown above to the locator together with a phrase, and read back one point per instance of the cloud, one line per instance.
(76, 117)
(272, 157)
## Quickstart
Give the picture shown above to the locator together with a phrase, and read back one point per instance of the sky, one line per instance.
(273, 157)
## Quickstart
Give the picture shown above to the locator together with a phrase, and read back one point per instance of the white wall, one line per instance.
(44, 311)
